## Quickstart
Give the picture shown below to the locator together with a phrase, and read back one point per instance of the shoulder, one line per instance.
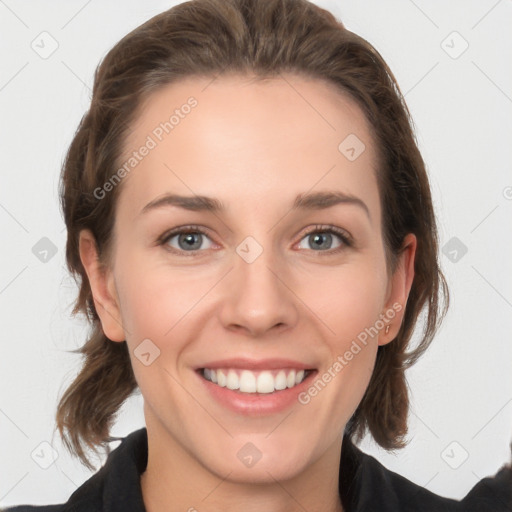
(117, 481)
(374, 487)
(377, 488)
(491, 494)
(405, 495)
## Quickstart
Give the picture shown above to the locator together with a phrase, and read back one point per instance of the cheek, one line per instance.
(350, 300)
(159, 294)
(154, 297)
(154, 306)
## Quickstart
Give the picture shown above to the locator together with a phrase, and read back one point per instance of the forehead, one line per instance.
(236, 137)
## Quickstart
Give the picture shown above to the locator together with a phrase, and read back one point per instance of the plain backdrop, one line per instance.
(452, 62)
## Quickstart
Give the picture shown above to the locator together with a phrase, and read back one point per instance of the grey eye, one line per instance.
(320, 240)
(188, 241)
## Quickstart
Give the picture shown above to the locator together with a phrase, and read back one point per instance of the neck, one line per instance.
(175, 481)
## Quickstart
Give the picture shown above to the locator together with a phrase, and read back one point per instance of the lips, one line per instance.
(255, 388)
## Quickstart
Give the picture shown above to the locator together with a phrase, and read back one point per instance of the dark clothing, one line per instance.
(365, 485)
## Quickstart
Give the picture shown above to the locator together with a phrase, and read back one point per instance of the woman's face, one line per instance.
(259, 291)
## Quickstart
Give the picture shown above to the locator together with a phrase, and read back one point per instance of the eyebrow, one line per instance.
(310, 201)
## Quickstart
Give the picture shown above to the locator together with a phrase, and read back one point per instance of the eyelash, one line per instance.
(345, 238)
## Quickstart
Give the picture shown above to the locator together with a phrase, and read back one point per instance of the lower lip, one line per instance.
(256, 404)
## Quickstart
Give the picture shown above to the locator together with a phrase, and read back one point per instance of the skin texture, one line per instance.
(255, 146)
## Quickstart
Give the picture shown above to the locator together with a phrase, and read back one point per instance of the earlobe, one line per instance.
(400, 285)
(102, 287)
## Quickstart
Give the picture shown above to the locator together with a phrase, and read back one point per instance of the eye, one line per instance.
(323, 237)
(188, 239)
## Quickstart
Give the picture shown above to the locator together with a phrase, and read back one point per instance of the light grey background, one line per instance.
(462, 106)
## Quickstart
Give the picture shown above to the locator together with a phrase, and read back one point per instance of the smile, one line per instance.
(247, 381)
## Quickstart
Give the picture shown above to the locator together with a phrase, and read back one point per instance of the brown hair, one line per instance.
(263, 39)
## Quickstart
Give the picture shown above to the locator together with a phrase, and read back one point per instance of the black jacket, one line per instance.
(365, 485)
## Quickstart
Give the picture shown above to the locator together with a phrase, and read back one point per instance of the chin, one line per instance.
(256, 460)
(264, 472)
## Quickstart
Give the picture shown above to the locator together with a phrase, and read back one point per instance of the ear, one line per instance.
(399, 286)
(103, 289)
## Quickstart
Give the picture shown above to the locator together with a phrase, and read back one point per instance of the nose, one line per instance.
(257, 299)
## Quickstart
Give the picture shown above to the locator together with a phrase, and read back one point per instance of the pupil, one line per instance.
(189, 240)
(320, 236)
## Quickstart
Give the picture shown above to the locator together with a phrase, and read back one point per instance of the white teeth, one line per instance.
(232, 380)
(280, 381)
(221, 378)
(265, 383)
(247, 381)
(290, 380)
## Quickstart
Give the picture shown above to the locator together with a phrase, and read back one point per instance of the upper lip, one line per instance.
(253, 364)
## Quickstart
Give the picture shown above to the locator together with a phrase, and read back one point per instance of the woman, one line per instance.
(252, 228)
